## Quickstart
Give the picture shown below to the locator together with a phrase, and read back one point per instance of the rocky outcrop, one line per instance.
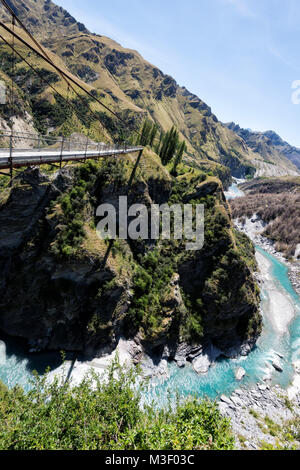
(289, 151)
(83, 299)
(279, 158)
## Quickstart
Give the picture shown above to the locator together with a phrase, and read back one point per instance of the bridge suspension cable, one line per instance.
(70, 81)
(16, 18)
(46, 56)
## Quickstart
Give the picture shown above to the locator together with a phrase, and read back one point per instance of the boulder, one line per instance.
(263, 388)
(226, 400)
(237, 401)
(240, 373)
(201, 364)
(296, 366)
(277, 366)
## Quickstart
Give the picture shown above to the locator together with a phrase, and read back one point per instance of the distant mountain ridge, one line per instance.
(129, 84)
(269, 145)
(289, 151)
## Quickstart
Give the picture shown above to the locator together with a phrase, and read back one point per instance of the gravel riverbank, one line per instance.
(261, 417)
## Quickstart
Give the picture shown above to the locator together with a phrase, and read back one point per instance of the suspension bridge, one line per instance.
(22, 149)
(19, 150)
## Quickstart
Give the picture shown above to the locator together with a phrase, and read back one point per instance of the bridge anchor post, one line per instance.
(86, 148)
(61, 153)
(10, 159)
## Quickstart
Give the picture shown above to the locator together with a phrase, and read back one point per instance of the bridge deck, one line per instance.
(40, 157)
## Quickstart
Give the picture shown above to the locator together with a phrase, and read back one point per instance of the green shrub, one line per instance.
(151, 280)
(105, 415)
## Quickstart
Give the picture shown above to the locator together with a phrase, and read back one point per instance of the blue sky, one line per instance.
(239, 56)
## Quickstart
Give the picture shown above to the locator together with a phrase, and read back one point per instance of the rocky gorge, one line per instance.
(57, 292)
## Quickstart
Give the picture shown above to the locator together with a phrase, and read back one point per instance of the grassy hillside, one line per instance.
(135, 88)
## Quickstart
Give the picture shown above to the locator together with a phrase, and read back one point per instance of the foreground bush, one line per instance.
(108, 416)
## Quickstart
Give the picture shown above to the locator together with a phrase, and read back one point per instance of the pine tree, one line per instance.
(169, 145)
(153, 133)
(178, 158)
(148, 133)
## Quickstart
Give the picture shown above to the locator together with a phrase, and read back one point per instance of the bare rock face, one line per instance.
(203, 362)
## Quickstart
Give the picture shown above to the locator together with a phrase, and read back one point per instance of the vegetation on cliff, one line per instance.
(81, 293)
(153, 289)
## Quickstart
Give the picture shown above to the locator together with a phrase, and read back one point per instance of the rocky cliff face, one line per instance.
(61, 288)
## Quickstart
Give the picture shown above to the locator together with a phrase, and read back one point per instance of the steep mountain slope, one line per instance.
(274, 151)
(290, 152)
(44, 18)
(129, 83)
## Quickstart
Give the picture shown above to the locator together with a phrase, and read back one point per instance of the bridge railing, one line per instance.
(25, 149)
(22, 142)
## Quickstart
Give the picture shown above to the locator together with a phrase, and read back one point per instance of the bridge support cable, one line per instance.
(43, 79)
(38, 45)
(42, 53)
(12, 103)
(61, 151)
(67, 100)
